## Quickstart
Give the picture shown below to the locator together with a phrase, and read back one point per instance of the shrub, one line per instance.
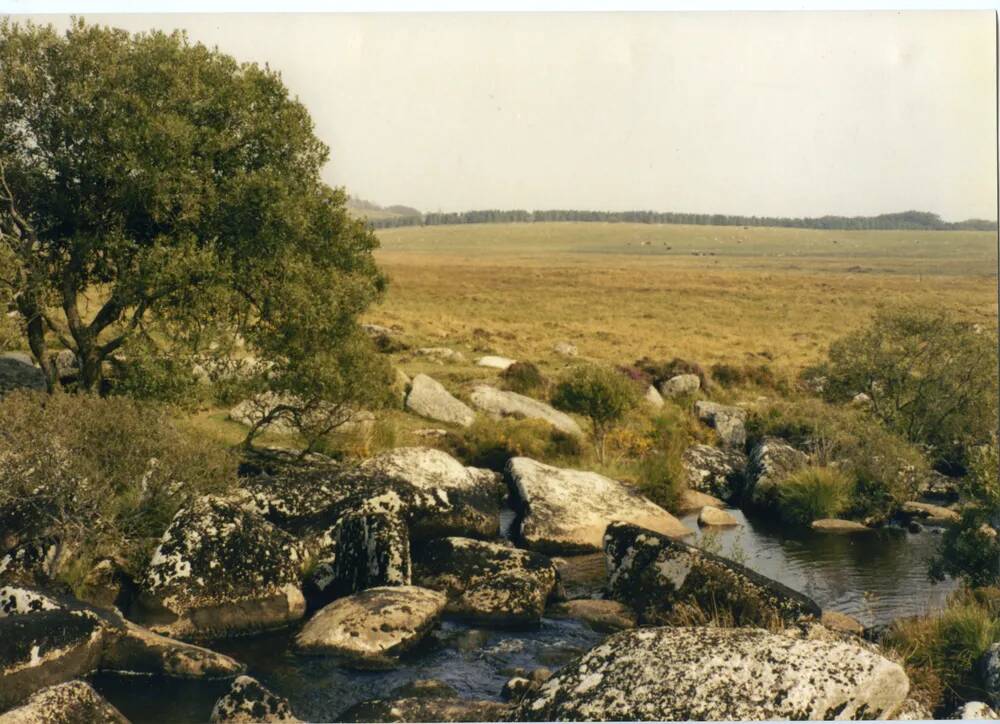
(659, 372)
(661, 472)
(598, 393)
(146, 375)
(884, 467)
(813, 492)
(971, 549)
(931, 377)
(109, 474)
(940, 651)
(760, 375)
(523, 377)
(489, 443)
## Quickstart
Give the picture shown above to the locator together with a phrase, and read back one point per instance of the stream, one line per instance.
(876, 577)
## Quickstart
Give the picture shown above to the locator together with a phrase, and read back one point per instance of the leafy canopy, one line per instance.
(158, 192)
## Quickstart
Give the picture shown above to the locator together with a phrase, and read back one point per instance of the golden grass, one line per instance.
(778, 296)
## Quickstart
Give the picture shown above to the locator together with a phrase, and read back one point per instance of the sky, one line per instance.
(767, 114)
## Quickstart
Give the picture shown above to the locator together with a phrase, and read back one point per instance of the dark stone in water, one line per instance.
(422, 709)
(670, 582)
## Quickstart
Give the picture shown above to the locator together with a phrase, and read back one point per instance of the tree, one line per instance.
(930, 377)
(598, 393)
(156, 191)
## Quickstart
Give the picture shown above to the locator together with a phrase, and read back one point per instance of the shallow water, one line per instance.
(876, 577)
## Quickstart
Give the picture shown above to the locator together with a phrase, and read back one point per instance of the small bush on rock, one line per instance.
(812, 493)
(524, 378)
(601, 394)
(106, 474)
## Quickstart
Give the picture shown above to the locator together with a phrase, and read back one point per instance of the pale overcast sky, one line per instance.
(763, 113)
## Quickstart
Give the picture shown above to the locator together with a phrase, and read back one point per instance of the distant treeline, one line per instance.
(913, 220)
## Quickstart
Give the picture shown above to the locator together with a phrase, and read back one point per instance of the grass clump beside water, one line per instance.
(814, 492)
(940, 651)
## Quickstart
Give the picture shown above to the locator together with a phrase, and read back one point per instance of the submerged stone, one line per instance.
(73, 702)
(424, 709)
(248, 701)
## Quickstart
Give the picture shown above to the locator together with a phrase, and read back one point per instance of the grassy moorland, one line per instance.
(710, 294)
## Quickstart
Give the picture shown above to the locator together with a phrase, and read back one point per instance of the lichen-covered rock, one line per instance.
(841, 622)
(653, 397)
(712, 674)
(426, 709)
(47, 639)
(249, 702)
(713, 471)
(680, 385)
(770, 462)
(670, 582)
(974, 711)
(566, 349)
(710, 515)
(473, 494)
(515, 688)
(913, 710)
(504, 403)
(486, 582)
(495, 362)
(728, 421)
(567, 511)
(599, 614)
(428, 398)
(32, 562)
(15, 374)
(220, 570)
(73, 702)
(372, 628)
(440, 354)
(989, 673)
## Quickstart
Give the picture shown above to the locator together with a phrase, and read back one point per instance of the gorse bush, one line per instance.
(105, 475)
(600, 394)
(813, 493)
(940, 651)
(524, 378)
(931, 377)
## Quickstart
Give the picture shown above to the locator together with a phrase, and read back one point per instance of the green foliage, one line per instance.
(884, 467)
(108, 474)
(146, 375)
(598, 393)
(931, 377)
(971, 549)
(812, 493)
(661, 472)
(490, 443)
(525, 378)
(940, 651)
(659, 371)
(178, 193)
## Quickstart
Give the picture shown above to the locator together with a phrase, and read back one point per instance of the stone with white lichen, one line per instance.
(667, 581)
(569, 510)
(249, 702)
(486, 582)
(373, 628)
(220, 570)
(73, 702)
(719, 674)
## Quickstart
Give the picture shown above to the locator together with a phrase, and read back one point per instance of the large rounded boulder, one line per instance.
(715, 472)
(504, 403)
(670, 582)
(371, 629)
(486, 582)
(771, 461)
(567, 511)
(716, 674)
(474, 495)
(73, 702)
(220, 570)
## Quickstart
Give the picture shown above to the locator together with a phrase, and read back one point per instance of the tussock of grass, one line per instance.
(940, 651)
(812, 493)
